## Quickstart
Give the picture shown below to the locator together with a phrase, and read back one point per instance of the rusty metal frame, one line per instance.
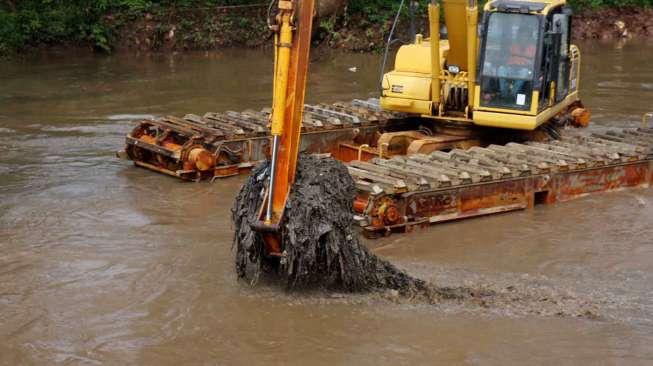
(420, 208)
(391, 199)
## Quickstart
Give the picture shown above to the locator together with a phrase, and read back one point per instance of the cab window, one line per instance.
(507, 72)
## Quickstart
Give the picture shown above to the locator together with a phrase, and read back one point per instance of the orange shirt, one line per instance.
(520, 55)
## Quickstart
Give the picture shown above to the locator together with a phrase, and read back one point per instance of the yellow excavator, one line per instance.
(517, 71)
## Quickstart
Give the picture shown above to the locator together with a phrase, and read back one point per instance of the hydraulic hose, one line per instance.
(387, 45)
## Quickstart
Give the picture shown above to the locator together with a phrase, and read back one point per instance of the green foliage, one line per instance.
(34, 22)
(29, 22)
(598, 4)
(99, 36)
(382, 10)
(374, 11)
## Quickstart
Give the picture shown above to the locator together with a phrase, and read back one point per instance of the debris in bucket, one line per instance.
(321, 247)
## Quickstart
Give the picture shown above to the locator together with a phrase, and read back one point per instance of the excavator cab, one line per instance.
(525, 59)
(508, 73)
(517, 70)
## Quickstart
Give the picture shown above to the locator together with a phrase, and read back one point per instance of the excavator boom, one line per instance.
(292, 46)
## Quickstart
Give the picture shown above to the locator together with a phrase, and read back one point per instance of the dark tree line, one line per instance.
(35, 22)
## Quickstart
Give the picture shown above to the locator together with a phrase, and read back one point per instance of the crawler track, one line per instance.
(224, 144)
(400, 193)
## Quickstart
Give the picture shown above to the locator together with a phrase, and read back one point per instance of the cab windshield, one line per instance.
(509, 61)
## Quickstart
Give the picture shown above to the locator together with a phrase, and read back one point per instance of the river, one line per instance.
(105, 263)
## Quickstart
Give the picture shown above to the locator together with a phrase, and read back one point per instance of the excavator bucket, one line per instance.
(320, 242)
(302, 226)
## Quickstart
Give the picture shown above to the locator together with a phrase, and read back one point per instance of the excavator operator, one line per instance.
(519, 66)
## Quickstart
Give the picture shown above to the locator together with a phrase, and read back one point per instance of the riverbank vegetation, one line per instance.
(161, 25)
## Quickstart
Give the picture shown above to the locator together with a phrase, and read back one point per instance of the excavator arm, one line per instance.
(292, 45)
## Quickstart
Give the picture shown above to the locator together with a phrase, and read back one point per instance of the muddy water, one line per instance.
(104, 263)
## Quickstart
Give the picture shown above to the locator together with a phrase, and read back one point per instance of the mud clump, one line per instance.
(321, 248)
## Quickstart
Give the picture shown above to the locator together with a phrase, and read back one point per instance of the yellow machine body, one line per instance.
(456, 93)
(408, 87)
